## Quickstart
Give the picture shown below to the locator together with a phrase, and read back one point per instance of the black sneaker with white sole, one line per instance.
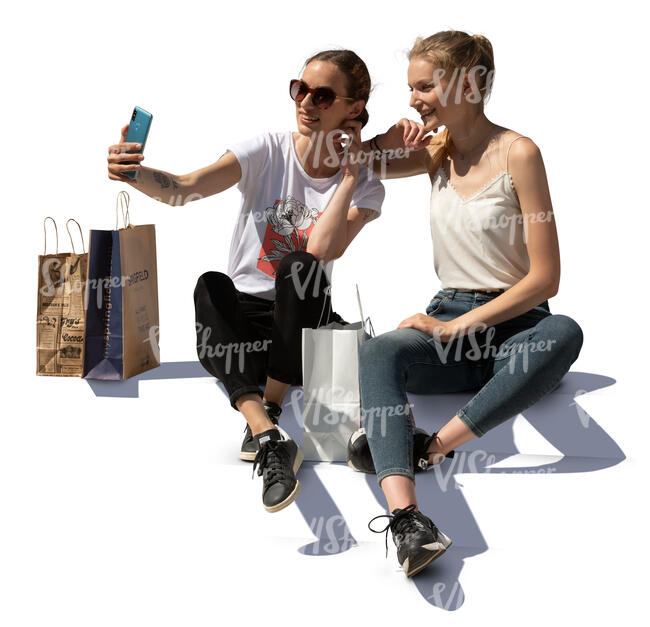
(277, 460)
(417, 539)
(248, 446)
(360, 459)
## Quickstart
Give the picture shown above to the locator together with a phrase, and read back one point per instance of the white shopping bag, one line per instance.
(332, 403)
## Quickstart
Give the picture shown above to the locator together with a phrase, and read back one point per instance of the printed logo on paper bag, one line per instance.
(289, 223)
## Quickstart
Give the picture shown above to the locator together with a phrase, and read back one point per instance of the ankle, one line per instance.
(436, 451)
(402, 505)
(276, 405)
(260, 425)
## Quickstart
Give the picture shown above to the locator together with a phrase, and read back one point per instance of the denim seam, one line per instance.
(395, 471)
(409, 437)
(470, 423)
(549, 388)
(478, 363)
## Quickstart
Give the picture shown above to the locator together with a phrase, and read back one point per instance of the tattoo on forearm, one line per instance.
(161, 178)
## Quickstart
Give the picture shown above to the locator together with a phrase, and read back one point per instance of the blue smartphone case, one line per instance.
(138, 132)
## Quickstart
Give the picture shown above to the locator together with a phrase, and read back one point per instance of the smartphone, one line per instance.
(138, 132)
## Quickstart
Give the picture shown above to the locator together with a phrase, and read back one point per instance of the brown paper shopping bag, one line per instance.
(60, 318)
(122, 300)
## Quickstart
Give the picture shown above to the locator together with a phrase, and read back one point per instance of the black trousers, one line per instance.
(241, 338)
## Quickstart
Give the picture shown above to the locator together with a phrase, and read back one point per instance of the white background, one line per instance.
(137, 511)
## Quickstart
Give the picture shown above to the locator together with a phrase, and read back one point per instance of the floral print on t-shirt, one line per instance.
(289, 223)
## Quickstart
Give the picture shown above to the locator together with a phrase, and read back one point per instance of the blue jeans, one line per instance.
(512, 364)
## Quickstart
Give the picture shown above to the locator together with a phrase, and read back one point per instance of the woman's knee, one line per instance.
(298, 264)
(367, 352)
(389, 347)
(566, 332)
(211, 282)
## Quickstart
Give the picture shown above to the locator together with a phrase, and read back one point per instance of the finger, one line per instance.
(119, 168)
(355, 137)
(119, 177)
(123, 132)
(355, 142)
(420, 135)
(124, 147)
(116, 172)
(404, 323)
(408, 130)
(353, 125)
(345, 141)
(130, 146)
(413, 132)
(124, 156)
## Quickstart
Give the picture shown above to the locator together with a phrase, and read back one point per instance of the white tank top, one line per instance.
(478, 242)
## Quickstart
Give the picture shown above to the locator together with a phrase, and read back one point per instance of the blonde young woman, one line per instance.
(496, 254)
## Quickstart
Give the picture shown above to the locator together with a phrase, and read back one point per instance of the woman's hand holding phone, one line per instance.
(118, 158)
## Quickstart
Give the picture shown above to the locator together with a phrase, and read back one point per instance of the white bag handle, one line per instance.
(363, 320)
(322, 311)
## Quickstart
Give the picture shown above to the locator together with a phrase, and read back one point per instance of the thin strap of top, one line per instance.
(509, 147)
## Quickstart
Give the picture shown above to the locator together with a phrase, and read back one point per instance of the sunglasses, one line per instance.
(322, 97)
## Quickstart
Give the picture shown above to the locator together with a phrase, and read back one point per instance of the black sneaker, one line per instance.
(421, 442)
(360, 459)
(417, 539)
(249, 446)
(278, 460)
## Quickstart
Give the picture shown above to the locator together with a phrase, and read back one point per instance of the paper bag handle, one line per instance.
(67, 228)
(123, 202)
(45, 235)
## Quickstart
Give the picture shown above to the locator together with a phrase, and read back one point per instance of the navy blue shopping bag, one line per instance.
(121, 302)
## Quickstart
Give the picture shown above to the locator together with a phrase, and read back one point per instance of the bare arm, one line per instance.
(543, 278)
(340, 223)
(402, 151)
(327, 238)
(338, 233)
(170, 188)
(357, 219)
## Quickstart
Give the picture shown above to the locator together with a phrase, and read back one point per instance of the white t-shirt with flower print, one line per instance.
(279, 207)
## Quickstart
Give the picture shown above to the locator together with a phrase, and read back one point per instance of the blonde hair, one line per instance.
(450, 50)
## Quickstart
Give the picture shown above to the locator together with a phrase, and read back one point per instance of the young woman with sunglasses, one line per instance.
(304, 199)
(496, 254)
